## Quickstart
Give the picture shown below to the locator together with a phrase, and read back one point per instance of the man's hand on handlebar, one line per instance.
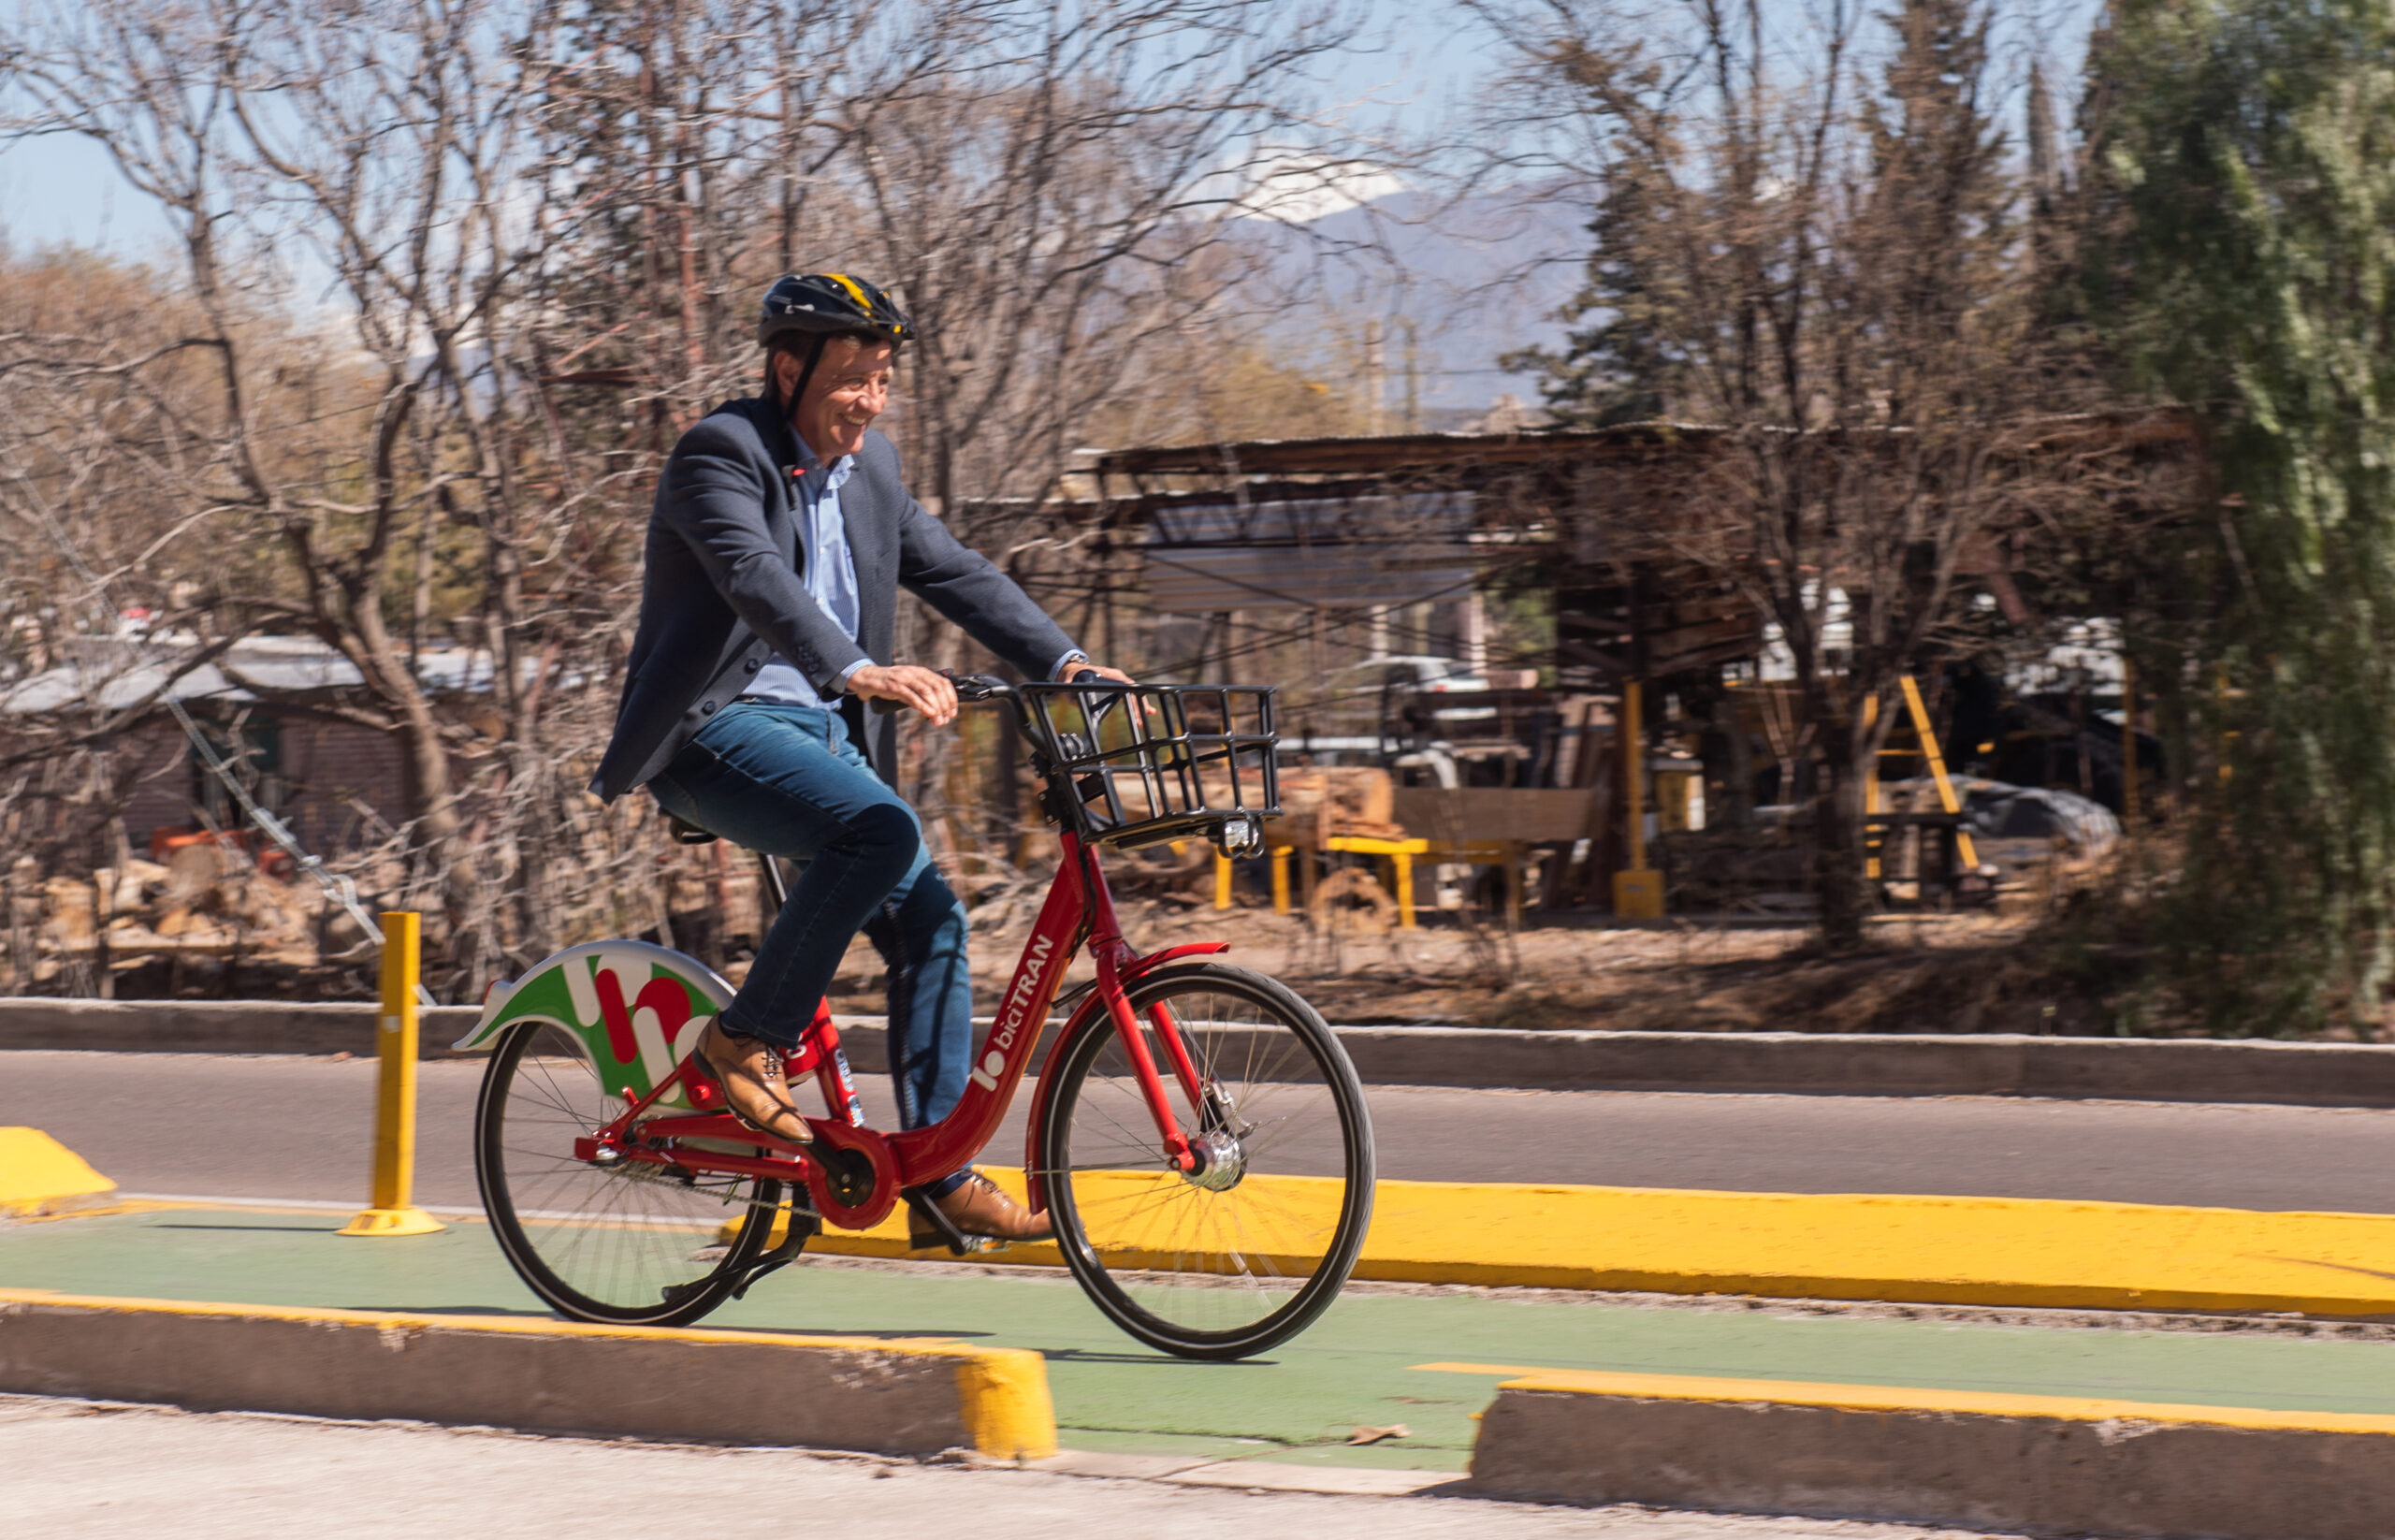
(902, 684)
(934, 693)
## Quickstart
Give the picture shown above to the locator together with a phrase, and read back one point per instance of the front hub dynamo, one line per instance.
(1220, 1165)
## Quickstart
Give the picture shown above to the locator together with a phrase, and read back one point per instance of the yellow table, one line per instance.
(1511, 854)
(1399, 853)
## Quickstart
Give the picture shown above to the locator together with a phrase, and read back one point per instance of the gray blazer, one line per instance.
(722, 593)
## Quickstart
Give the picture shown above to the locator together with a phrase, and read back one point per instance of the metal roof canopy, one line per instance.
(1398, 454)
(1309, 553)
(1402, 452)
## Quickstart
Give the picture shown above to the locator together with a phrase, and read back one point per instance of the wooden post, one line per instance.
(2128, 745)
(1634, 766)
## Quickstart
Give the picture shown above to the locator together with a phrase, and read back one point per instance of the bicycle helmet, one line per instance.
(829, 302)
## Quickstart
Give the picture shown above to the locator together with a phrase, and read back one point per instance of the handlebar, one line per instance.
(976, 688)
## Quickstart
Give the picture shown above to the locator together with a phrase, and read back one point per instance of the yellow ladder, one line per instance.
(1927, 749)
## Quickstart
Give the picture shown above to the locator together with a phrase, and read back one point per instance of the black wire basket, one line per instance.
(1138, 764)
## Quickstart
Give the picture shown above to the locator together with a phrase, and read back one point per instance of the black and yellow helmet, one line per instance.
(826, 302)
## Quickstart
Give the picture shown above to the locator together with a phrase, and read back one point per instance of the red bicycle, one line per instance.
(1196, 1131)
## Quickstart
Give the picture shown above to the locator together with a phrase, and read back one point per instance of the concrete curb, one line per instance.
(2040, 1464)
(693, 1385)
(1805, 1063)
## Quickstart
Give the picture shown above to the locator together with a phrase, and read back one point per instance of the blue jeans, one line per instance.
(785, 780)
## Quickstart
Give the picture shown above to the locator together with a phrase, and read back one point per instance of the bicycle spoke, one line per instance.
(1199, 1268)
(623, 1243)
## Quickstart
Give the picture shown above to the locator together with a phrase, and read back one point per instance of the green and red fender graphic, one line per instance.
(639, 1007)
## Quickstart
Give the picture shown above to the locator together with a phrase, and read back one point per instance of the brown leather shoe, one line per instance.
(749, 1071)
(979, 1208)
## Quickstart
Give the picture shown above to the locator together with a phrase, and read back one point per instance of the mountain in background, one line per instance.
(1456, 282)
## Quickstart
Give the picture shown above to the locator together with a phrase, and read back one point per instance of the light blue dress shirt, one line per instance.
(831, 579)
(830, 576)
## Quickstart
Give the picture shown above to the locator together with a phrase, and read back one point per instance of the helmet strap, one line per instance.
(806, 373)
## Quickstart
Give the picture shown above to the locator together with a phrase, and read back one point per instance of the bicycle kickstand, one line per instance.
(803, 1226)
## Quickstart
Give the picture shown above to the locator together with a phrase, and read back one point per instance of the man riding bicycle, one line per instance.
(779, 538)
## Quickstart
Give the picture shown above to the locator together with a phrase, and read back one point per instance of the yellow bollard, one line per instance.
(394, 1212)
(1222, 881)
(1637, 890)
(1871, 841)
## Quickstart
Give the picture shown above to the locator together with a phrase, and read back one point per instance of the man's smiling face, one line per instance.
(850, 388)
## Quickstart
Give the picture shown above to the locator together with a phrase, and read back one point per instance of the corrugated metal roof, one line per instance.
(118, 672)
(1202, 580)
(1309, 553)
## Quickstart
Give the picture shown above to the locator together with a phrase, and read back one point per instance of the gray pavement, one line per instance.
(296, 1128)
(96, 1473)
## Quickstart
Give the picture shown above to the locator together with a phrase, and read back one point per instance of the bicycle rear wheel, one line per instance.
(1246, 1252)
(634, 1243)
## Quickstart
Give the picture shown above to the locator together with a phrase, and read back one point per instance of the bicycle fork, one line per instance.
(1108, 950)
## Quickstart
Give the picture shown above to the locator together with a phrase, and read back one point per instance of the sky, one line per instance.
(63, 191)
(60, 190)
(1426, 69)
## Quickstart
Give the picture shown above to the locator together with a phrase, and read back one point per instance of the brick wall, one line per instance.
(325, 767)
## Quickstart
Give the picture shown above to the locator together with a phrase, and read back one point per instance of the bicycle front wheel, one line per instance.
(1247, 1250)
(634, 1243)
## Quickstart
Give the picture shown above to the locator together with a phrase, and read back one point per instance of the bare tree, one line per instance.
(373, 155)
(1826, 267)
(452, 274)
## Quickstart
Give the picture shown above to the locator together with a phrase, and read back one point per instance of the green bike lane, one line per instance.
(1359, 1366)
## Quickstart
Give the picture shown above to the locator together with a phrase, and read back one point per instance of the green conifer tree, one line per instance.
(2244, 262)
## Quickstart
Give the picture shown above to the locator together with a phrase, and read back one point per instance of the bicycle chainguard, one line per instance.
(942, 1229)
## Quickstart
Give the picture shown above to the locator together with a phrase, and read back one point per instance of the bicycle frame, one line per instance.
(1078, 907)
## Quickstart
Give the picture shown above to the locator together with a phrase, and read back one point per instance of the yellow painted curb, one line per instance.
(1003, 1391)
(40, 1175)
(1007, 1405)
(1982, 1251)
(1898, 1397)
(1924, 1249)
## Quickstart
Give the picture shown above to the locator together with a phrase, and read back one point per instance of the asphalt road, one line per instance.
(294, 1127)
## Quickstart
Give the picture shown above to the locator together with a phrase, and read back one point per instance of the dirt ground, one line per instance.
(1926, 973)
(1981, 971)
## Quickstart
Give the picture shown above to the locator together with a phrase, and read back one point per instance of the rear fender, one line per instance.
(638, 1007)
(1091, 1009)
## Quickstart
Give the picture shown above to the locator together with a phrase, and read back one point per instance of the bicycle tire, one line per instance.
(630, 1275)
(1250, 1250)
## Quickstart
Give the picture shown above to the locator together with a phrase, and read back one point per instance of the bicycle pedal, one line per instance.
(933, 1230)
